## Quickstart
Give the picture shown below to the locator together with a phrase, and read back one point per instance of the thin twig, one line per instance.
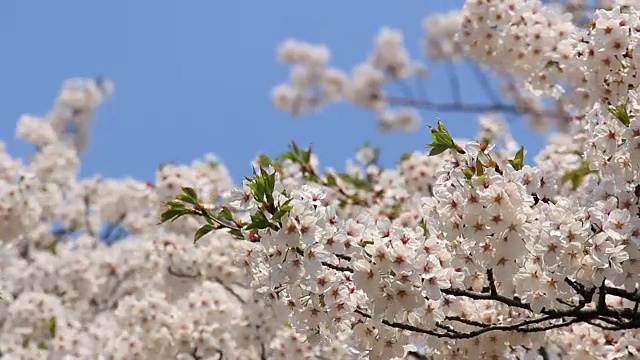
(464, 107)
(231, 291)
(492, 282)
(454, 82)
(484, 83)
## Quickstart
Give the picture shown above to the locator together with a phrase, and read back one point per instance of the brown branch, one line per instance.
(202, 211)
(480, 296)
(329, 265)
(465, 107)
(231, 291)
(87, 213)
(263, 352)
(523, 326)
(174, 273)
(467, 321)
(547, 319)
(417, 355)
(402, 326)
(492, 282)
(543, 353)
(602, 295)
(631, 296)
(484, 83)
(454, 82)
(576, 313)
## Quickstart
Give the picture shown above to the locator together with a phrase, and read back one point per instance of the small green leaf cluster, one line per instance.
(358, 183)
(577, 175)
(620, 112)
(262, 187)
(442, 141)
(302, 157)
(52, 327)
(518, 161)
(178, 207)
(270, 212)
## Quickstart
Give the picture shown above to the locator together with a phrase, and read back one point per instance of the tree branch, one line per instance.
(465, 107)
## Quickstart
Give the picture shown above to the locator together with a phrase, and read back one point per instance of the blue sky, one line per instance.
(194, 77)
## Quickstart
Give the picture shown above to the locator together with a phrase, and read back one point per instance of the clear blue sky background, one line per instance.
(194, 76)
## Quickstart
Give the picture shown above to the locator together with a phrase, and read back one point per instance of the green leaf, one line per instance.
(42, 345)
(289, 156)
(551, 64)
(295, 148)
(172, 214)
(405, 156)
(479, 167)
(443, 139)
(190, 192)
(186, 198)
(257, 185)
(269, 183)
(282, 210)
(358, 183)
(577, 175)
(226, 214)
(306, 156)
(52, 325)
(236, 233)
(518, 160)
(620, 113)
(263, 160)
(442, 128)
(425, 227)
(468, 173)
(437, 149)
(204, 230)
(26, 341)
(175, 204)
(331, 180)
(258, 221)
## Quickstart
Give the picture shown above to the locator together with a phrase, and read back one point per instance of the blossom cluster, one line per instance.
(549, 64)
(502, 248)
(87, 273)
(313, 83)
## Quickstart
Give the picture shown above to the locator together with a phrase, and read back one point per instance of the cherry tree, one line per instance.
(470, 249)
